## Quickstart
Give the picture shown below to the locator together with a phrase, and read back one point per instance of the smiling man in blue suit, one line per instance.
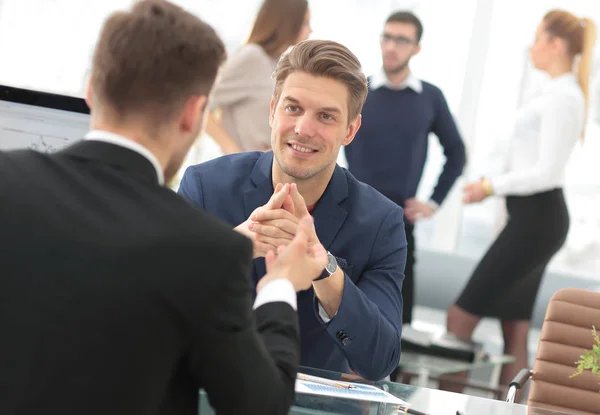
(351, 318)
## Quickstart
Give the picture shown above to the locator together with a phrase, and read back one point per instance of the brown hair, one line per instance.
(408, 18)
(328, 59)
(580, 36)
(151, 59)
(278, 24)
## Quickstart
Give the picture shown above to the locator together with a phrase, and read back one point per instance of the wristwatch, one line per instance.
(330, 268)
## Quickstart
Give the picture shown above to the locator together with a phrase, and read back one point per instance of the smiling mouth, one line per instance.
(301, 149)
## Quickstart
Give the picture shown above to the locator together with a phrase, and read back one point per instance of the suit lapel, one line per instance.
(329, 216)
(262, 188)
(258, 195)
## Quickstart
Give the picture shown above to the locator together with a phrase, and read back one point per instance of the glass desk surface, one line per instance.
(429, 401)
(442, 366)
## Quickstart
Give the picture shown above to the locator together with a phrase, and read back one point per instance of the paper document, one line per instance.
(326, 387)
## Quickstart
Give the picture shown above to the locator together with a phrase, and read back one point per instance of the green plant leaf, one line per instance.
(590, 360)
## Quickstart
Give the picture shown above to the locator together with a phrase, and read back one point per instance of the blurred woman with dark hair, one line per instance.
(245, 87)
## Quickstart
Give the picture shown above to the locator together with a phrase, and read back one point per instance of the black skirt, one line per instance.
(505, 283)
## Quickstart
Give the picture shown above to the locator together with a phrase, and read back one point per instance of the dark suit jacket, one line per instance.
(355, 223)
(119, 297)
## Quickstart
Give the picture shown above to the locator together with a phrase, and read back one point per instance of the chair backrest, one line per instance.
(566, 334)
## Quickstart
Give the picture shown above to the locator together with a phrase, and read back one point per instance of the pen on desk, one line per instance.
(322, 381)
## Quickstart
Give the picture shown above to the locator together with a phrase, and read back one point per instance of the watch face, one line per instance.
(331, 264)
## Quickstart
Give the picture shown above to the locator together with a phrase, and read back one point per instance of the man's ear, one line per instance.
(193, 112)
(271, 112)
(417, 50)
(559, 44)
(88, 92)
(352, 130)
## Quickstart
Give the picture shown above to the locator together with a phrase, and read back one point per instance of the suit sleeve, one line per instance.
(447, 133)
(368, 323)
(191, 187)
(253, 355)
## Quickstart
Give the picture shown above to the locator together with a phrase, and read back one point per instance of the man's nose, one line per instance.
(305, 126)
(388, 47)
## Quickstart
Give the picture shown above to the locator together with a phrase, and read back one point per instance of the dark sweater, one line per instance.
(390, 149)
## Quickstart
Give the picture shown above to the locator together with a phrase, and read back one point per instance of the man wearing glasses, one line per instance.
(390, 148)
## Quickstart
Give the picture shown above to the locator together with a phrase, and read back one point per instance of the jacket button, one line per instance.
(340, 335)
(345, 341)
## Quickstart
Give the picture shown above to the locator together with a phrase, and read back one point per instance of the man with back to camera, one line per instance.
(350, 319)
(390, 150)
(104, 309)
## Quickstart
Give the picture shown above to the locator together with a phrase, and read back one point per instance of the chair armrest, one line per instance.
(517, 383)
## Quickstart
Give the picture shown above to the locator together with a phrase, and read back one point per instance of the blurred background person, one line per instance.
(244, 87)
(390, 149)
(505, 283)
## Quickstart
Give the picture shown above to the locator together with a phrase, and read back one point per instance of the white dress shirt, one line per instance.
(323, 314)
(280, 289)
(119, 140)
(379, 79)
(544, 134)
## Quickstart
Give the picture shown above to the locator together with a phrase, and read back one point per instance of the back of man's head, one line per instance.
(150, 60)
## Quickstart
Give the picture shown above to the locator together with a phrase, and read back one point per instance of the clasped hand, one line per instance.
(283, 232)
(273, 226)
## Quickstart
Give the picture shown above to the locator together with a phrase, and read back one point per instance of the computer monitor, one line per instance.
(39, 120)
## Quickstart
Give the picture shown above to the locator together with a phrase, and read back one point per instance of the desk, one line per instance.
(427, 365)
(430, 401)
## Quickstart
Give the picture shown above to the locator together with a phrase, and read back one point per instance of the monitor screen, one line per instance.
(39, 120)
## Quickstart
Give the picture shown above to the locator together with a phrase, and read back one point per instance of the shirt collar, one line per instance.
(560, 81)
(380, 79)
(118, 140)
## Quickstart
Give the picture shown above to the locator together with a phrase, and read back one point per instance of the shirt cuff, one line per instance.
(279, 290)
(433, 204)
(500, 185)
(323, 314)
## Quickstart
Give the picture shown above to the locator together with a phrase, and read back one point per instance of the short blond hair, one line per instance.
(325, 58)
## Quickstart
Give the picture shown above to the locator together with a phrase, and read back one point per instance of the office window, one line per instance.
(358, 25)
(507, 78)
(231, 19)
(443, 62)
(355, 23)
(47, 45)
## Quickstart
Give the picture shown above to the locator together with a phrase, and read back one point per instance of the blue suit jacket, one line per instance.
(353, 221)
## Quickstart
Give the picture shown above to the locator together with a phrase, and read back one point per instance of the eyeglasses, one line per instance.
(399, 41)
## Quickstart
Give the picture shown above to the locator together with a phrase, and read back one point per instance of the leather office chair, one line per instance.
(566, 334)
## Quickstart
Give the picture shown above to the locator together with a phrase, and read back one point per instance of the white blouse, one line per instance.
(545, 132)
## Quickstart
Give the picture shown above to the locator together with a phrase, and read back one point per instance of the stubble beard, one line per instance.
(397, 69)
